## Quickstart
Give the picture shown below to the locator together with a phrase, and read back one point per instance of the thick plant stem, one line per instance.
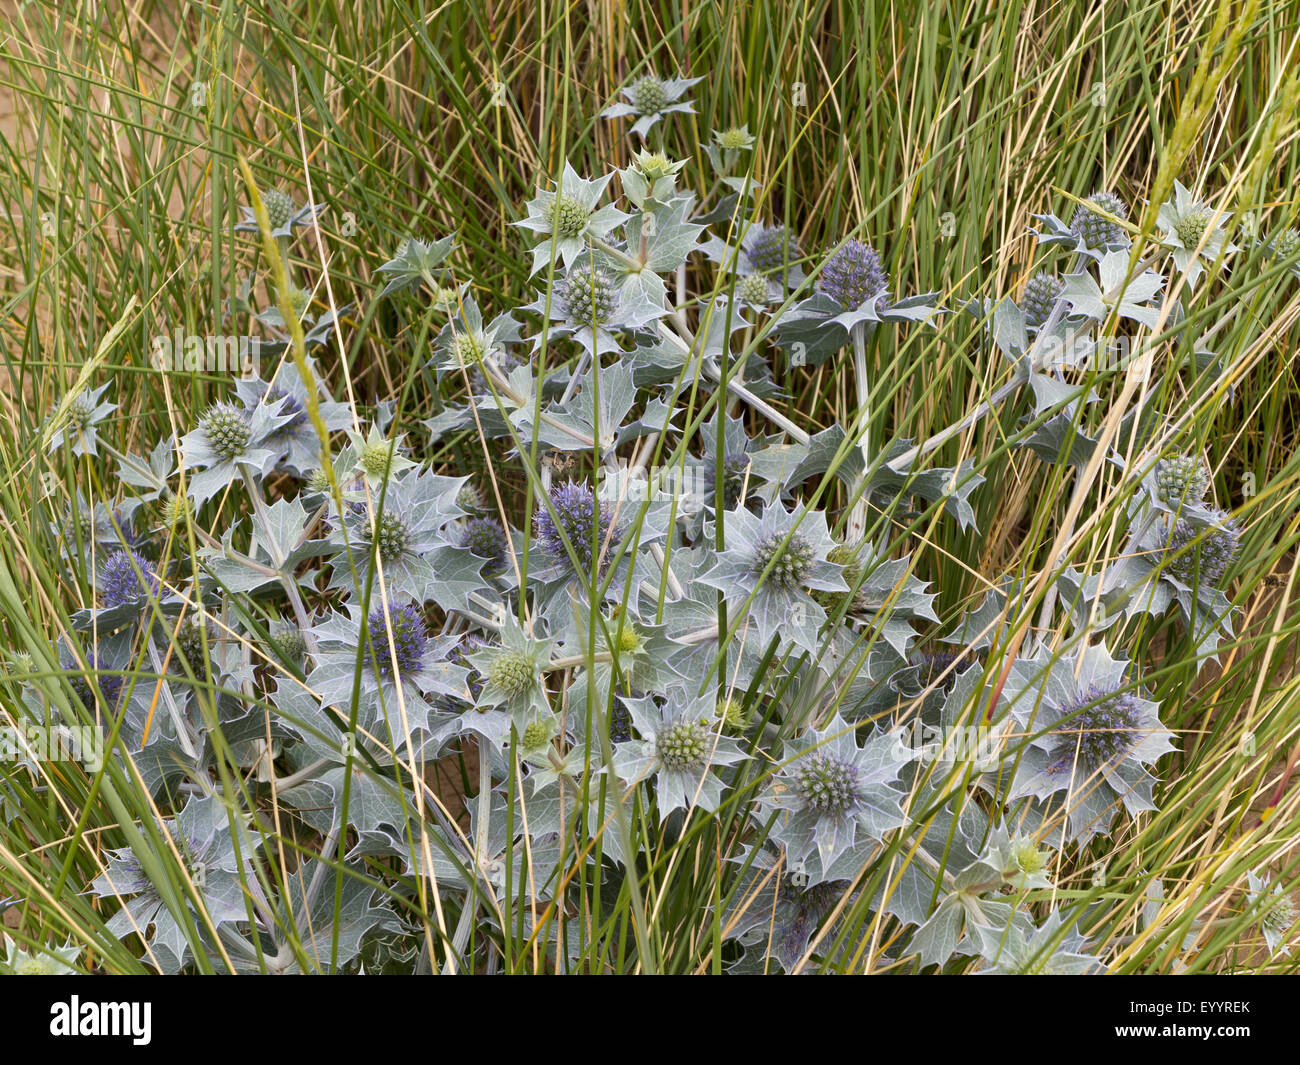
(460, 938)
(857, 525)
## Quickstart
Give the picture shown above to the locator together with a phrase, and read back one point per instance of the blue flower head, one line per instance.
(576, 508)
(410, 635)
(1200, 556)
(1090, 736)
(486, 538)
(1042, 291)
(770, 249)
(127, 577)
(292, 408)
(853, 275)
(1102, 723)
(1094, 231)
(111, 686)
(735, 470)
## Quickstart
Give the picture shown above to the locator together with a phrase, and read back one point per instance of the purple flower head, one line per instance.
(1202, 556)
(826, 783)
(486, 538)
(771, 249)
(111, 686)
(121, 582)
(853, 275)
(933, 664)
(575, 506)
(804, 907)
(1100, 725)
(620, 722)
(410, 634)
(1042, 291)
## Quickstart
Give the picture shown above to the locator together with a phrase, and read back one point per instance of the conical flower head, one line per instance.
(568, 216)
(847, 555)
(684, 745)
(391, 537)
(588, 295)
(826, 783)
(446, 298)
(1091, 736)
(1028, 856)
(469, 498)
(110, 685)
(127, 577)
(410, 635)
(1198, 555)
(81, 410)
(468, 347)
(791, 558)
(486, 538)
(189, 643)
(226, 429)
(654, 166)
(770, 249)
(318, 483)
(299, 300)
(1279, 918)
(376, 459)
(735, 139)
(536, 734)
(752, 289)
(1041, 293)
(735, 466)
(852, 275)
(1192, 225)
(279, 207)
(1101, 725)
(648, 95)
(578, 517)
(291, 406)
(1182, 479)
(1286, 245)
(1091, 228)
(290, 644)
(513, 673)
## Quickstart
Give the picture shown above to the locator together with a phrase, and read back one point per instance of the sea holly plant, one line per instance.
(588, 602)
(567, 217)
(679, 742)
(1194, 232)
(649, 98)
(75, 421)
(835, 797)
(1090, 737)
(1277, 913)
(773, 564)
